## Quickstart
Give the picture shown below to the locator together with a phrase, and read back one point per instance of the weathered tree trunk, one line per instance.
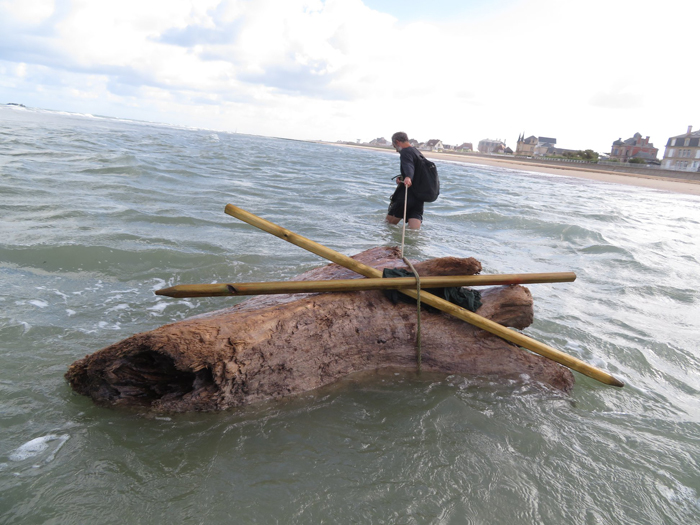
(275, 346)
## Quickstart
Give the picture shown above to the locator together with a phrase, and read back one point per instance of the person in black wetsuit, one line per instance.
(410, 158)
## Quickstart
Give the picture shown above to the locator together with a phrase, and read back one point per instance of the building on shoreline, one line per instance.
(545, 146)
(537, 146)
(683, 152)
(489, 146)
(433, 145)
(635, 147)
(526, 146)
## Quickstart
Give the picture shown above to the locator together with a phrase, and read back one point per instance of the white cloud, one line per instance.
(29, 12)
(585, 73)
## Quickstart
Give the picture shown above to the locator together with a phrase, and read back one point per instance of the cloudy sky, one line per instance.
(585, 72)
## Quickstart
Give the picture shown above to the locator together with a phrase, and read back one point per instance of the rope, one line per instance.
(418, 337)
(405, 207)
(415, 273)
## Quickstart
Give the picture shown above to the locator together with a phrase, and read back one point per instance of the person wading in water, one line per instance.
(410, 159)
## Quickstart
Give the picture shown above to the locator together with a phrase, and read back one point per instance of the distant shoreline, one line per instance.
(586, 171)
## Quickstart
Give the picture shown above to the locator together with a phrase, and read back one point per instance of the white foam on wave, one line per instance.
(38, 303)
(159, 283)
(105, 326)
(158, 307)
(122, 306)
(70, 312)
(128, 290)
(38, 445)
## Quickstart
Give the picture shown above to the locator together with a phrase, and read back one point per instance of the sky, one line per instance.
(585, 73)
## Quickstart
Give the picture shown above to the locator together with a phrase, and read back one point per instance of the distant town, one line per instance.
(682, 151)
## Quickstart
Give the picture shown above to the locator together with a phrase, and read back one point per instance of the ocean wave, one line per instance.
(37, 446)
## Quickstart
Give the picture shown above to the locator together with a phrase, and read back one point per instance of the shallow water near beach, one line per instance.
(97, 213)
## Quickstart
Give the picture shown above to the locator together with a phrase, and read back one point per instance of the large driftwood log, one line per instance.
(274, 346)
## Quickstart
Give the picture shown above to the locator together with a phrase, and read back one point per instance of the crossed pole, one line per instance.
(428, 298)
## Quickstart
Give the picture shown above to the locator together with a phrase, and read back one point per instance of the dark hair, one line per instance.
(399, 136)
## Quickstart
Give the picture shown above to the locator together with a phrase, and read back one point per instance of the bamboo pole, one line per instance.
(356, 285)
(427, 298)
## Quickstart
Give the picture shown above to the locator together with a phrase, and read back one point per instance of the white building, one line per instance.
(434, 145)
(683, 152)
(544, 145)
(489, 146)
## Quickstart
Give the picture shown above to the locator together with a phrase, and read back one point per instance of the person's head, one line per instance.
(399, 140)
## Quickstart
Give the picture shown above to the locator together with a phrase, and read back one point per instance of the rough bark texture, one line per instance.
(274, 346)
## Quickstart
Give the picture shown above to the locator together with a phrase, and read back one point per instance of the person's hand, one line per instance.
(407, 182)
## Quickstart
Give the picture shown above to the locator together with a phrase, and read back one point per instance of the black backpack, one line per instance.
(426, 183)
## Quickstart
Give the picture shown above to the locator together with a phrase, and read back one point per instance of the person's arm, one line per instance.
(408, 168)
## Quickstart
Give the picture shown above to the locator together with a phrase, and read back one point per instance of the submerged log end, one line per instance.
(159, 370)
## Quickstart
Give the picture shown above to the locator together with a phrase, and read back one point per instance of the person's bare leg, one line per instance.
(392, 220)
(414, 224)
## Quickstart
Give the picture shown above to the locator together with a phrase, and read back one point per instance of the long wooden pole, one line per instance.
(461, 313)
(355, 285)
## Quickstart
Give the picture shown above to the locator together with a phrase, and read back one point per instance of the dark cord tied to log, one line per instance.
(466, 298)
(418, 338)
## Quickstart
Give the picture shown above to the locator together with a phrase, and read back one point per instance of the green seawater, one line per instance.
(97, 213)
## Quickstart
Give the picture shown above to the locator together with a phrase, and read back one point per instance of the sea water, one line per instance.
(97, 213)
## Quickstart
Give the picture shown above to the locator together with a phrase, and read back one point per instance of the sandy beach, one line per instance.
(664, 183)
